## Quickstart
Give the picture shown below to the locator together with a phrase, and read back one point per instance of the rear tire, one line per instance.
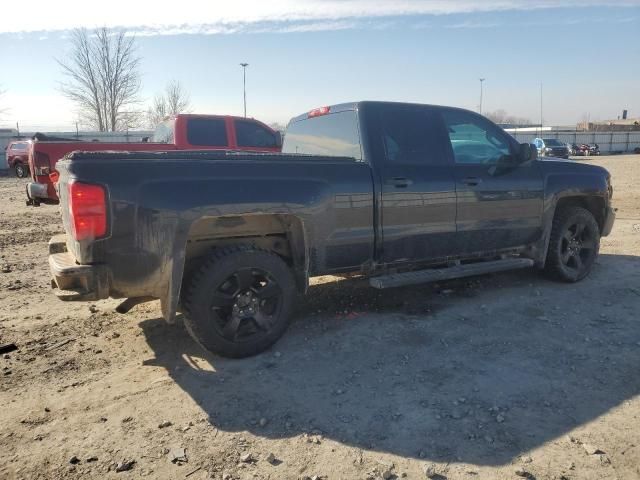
(22, 171)
(239, 302)
(574, 244)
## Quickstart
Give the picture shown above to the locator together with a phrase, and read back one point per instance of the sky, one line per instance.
(307, 53)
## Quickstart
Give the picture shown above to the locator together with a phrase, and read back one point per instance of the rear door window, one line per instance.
(208, 132)
(334, 135)
(252, 134)
(410, 135)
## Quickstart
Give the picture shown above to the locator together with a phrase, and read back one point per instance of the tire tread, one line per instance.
(553, 264)
(193, 326)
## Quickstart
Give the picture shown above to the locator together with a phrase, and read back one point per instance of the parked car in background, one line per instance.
(585, 149)
(551, 147)
(181, 132)
(580, 149)
(18, 157)
(402, 193)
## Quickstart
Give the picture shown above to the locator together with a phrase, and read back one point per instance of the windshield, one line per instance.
(164, 131)
(552, 142)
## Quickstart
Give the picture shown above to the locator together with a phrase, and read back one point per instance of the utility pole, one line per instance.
(244, 86)
(481, 82)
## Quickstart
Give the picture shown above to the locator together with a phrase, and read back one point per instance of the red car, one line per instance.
(182, 132)
(18, 157)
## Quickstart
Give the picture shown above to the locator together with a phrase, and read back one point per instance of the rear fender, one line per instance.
(283, 234)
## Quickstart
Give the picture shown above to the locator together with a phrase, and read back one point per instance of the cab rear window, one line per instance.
(334, 135)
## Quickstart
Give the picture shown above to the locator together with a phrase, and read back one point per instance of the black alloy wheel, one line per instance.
(577, 246)
(239, 302)
(573, 245)
(245, 304)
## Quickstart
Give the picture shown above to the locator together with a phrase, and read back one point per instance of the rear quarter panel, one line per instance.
(154, 205)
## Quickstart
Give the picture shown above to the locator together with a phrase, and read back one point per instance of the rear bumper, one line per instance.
(609, 218)
(71, 281)
(36, 193)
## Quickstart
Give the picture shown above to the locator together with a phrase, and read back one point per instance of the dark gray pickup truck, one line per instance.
(402, 193)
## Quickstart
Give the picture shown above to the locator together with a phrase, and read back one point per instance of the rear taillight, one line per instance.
(88, 211)
(41, 165)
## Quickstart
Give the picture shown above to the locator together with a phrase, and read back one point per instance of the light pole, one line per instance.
(481, 82)
(244, 86)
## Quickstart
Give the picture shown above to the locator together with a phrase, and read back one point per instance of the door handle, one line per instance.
(472, 181)
(400, 182)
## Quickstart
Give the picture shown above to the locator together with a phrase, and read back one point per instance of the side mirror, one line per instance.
(278, 139)
(527, 153)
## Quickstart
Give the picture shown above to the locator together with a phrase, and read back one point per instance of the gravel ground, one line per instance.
(498, 377)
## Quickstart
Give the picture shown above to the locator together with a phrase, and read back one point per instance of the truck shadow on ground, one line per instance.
(478, 371)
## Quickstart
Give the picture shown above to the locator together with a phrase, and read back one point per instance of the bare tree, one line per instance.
(175, 99)
(278, 127)
(102, 77)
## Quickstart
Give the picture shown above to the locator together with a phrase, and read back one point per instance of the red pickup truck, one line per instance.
(181, 132)
(17, 157)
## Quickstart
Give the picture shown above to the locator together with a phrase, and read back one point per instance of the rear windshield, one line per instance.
(164, 132)
(552, 142)
(334, 135)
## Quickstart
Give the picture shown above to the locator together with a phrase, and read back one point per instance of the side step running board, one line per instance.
(457, 271)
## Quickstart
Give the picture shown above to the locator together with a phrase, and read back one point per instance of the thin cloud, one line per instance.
(258, 27)
(250, 15)
(315, 27)
(474, 25)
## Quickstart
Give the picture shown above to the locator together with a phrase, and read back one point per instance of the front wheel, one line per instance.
(574, 244)
(21, 170)
(239, 302)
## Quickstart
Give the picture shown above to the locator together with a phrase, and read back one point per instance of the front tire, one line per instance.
(574, 244)
(239, 302)
(22, 171)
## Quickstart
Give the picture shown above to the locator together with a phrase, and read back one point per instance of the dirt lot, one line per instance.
(476, 378)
